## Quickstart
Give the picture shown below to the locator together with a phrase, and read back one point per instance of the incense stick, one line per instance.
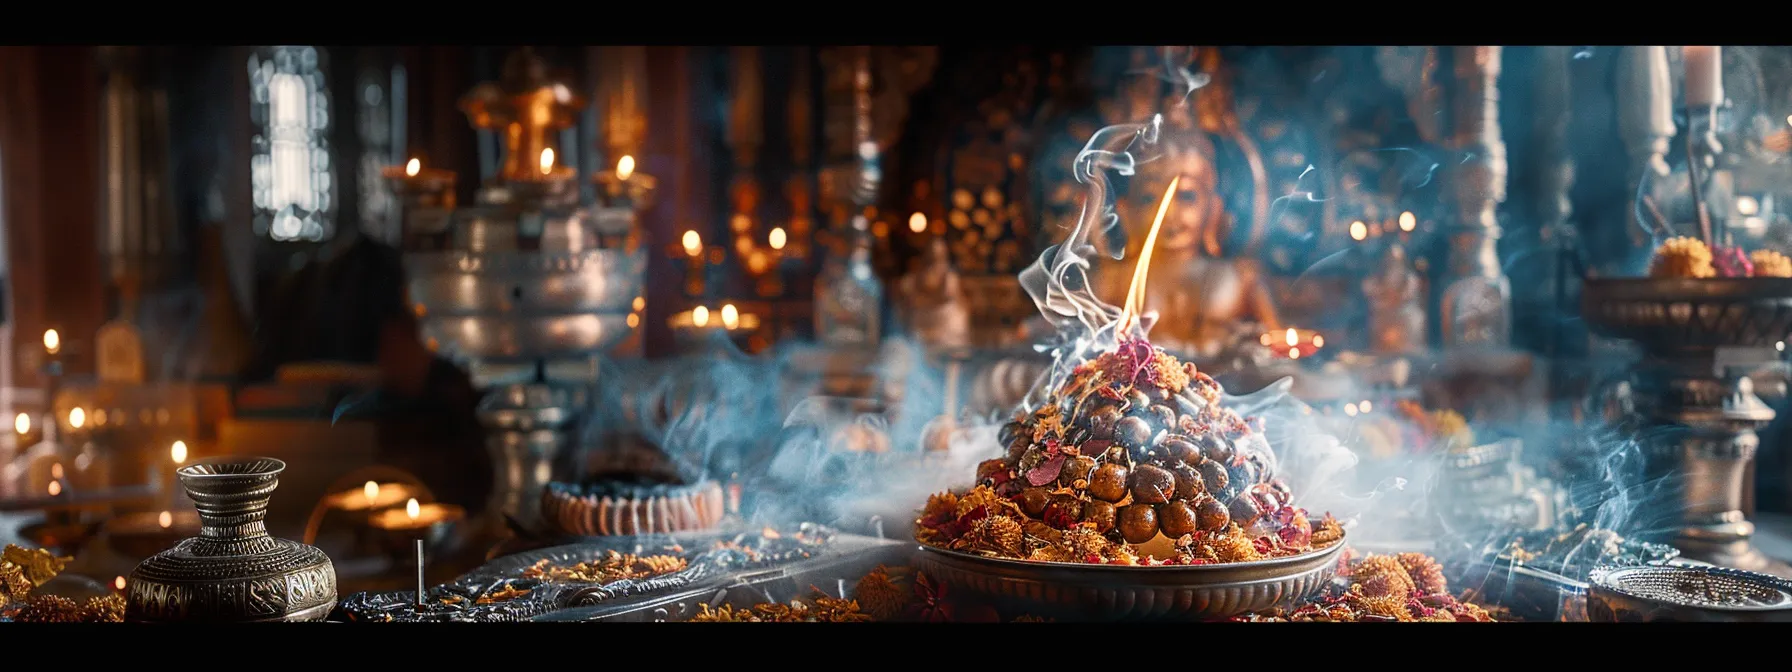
(419, 572)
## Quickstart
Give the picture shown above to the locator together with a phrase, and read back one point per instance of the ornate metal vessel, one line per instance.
(1711, 416)
(1685, 593)
(233, 571)
(1107, 592)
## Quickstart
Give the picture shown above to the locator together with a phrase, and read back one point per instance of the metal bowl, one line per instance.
(529, 283)
(1680, 314)
(1109, 592)
(1687, 593)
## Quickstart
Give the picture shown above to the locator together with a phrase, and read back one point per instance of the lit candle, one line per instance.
(917, 222)
(1359, 231)
(1704, 76)
(777, 238)
(413, 167)
(420, 187)
(178, 453)
(165, 519)
(52, 341)
(730, 317)
(22, 424)
(547, 161)
(1408, 222)
(1293, 343)
(625, 187)
(371, 491)
(371, 496)
(77, 418)
(118, 584)
(693, 244)
(417, 516)
(625, 168)
(700, 316)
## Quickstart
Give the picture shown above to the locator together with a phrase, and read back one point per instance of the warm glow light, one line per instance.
(77, 418)
(412, 509)
(1747, 205)
(52, 341)
(730, 316)
(1408, 221)
(547, 161)
(1350, 409)
(22, 423)
(1359, 230)
(640, 303)
(413, 167)
(1365, 406)
(777, 238)
(166, 520)
(56, 471)
(693, 243)
(700, 316)
(55, 488)
(1778, 345)
(1318, 341)
(917, 222)
(634, 320)
(178, 452)
(1291, 338)
(625, 167)
(118, 583)
(1135, 295)
(1264, 340)
(371, 490)
(1294, 354)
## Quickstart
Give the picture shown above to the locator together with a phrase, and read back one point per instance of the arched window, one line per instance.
(291, 171)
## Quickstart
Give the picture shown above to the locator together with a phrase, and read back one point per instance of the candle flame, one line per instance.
(166, 520)
(1318, 341)
(56, 471)
(77, 418)
(1408, 221)
(1294, 354)
(547, 161)
(178, 452)
(777, 237)
(1291, 338)
(118, 583)
(917, 222)
(1359, 230)
(22, 423)
(413, 167)
(693, 243)
(55, 488)
(371, 490)
(730, 316)
(52, 341)
(625, 167)
(412, 509)
(700, 316)
(1135, 295)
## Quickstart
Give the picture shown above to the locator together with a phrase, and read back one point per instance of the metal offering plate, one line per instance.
(1686, 593)
(1110, 592)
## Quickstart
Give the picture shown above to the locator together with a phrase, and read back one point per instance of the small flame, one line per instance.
(1135, 294)
(55, 488)
(700, 316)
(730, 316)
(547, 161)
(693, 243)
(1294, 354)
(1359, 230)
(412, 509)
(178, 452)
(1264, 339)
(77, 418)
(625, 167)
(1291, 338)
(770, 533)
(1365, 406)
(777, 238)
(1408, 221)
(371, 490)
(1318, 341)
(22, 423)
(52, 341)
(917, 222)
(118, 583)
(166, 520)
(56, 471)
(412, 167)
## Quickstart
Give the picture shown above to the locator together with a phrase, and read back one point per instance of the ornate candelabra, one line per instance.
(531, 288)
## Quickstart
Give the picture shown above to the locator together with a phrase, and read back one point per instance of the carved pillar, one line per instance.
(1646, 122)
(1477, 296)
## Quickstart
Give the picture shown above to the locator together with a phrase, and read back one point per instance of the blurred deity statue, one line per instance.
(1396, 311)
(934, 302)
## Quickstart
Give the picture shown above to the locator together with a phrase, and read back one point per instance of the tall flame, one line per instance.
(1135, 294)
(412, 509)
(547, 161)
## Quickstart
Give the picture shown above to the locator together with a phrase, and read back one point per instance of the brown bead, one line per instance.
(1211, 515)
(1109, 482)
(990, 468)
(1076, 469)
(1164, 417)
(1181, 449)
(1138, 523)
(1188, 481)
(1177, 518)
(1217, 448)
(1033, 501)
(1101, 514)
(1152, 484)
(1214, 476)
(1244, 509)
(1133, 433)
(1063, 507)
(1019, 447)
(1101, 422)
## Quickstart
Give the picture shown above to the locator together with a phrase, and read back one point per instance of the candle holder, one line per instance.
(627, 189)
(427, 196)
(140, 535)
(1292, 343)
(399, 529)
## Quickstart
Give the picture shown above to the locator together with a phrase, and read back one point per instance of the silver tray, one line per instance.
(1107, 592)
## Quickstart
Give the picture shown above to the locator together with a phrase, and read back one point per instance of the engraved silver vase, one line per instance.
(233, 571)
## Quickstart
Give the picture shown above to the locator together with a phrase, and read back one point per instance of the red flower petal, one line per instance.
(1047, 471)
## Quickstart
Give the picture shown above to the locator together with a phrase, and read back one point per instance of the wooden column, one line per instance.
(50, 149)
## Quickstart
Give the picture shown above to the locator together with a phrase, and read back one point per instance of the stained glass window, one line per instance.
(291, 171)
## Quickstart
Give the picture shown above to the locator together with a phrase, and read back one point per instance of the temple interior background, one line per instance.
(492, 300)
